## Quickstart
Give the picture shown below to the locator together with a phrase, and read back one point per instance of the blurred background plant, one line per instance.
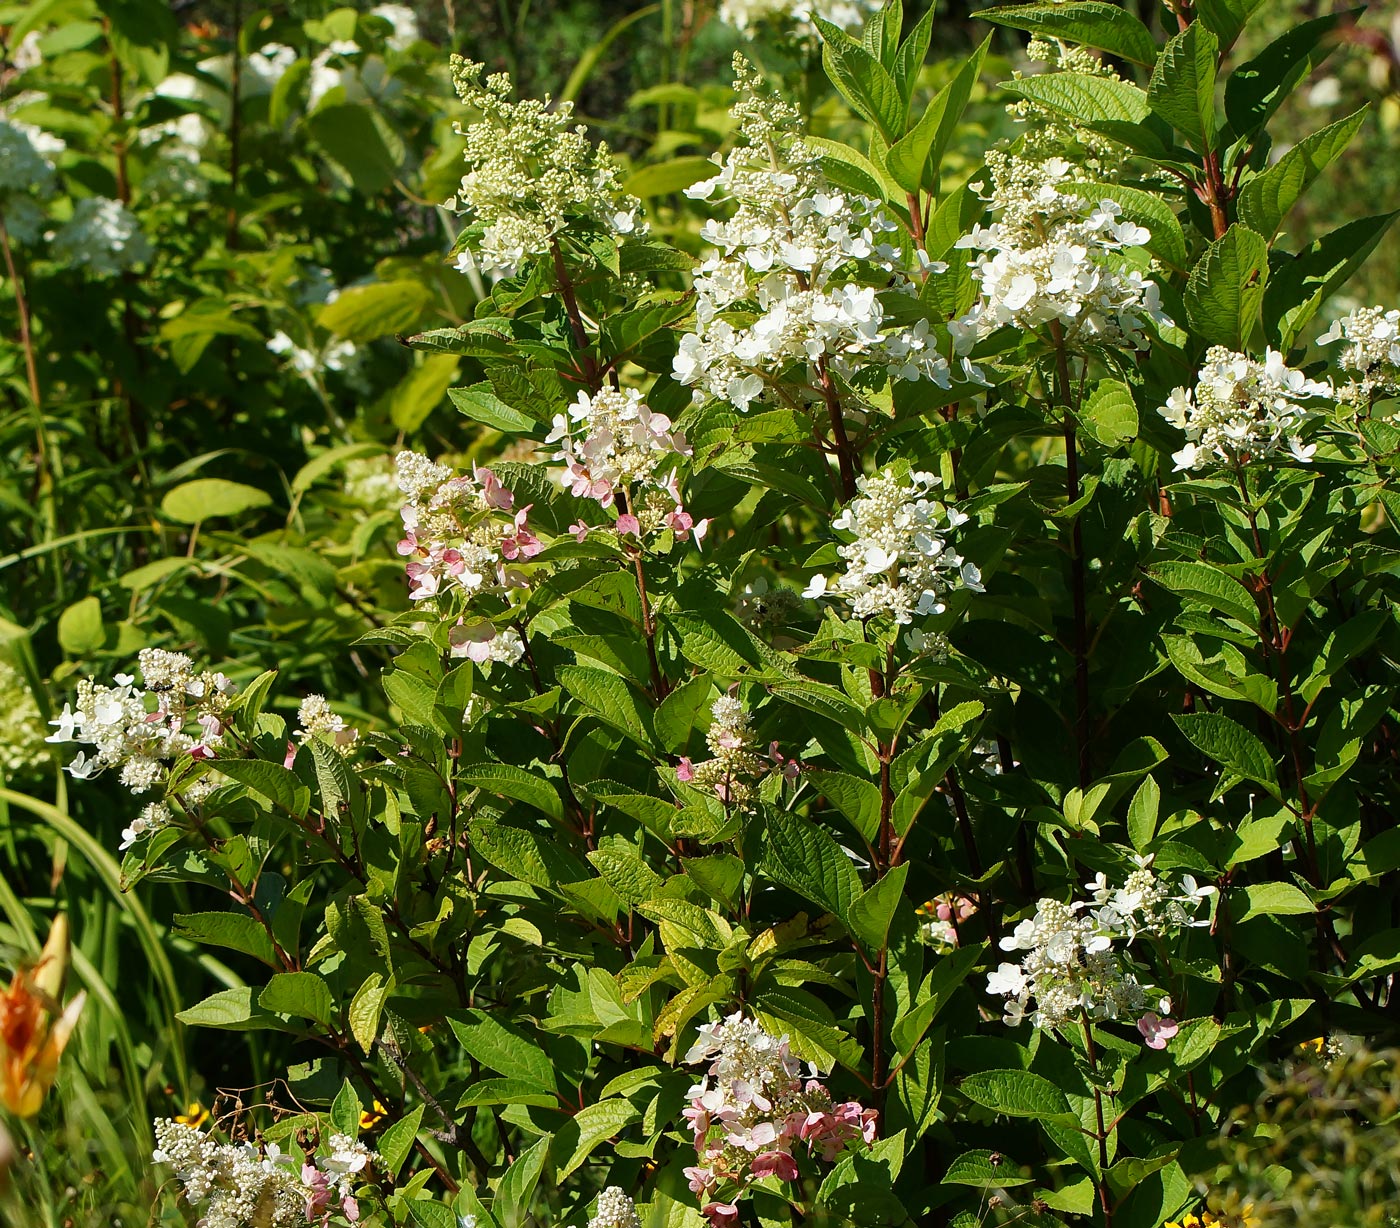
(217, 220)
(1320, 1145)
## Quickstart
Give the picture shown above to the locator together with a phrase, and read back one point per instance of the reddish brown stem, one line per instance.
(845, 459)
(1078, 579)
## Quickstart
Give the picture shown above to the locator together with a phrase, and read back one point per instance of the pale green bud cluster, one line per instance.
(530, 171)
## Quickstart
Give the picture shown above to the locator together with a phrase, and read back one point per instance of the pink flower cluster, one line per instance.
(461, 531)
(753, 1110)
(617, 452)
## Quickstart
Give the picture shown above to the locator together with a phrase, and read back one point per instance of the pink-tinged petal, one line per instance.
(628, 523)
(290, 757)
(775, 1164)
(685, 770)
(1156, 1031)
(579, 530)
(699, 1179)
(721, 1214)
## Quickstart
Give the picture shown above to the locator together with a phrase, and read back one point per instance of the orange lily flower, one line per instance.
(35, 1027)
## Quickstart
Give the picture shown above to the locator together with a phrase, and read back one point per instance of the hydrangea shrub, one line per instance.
(905, 730)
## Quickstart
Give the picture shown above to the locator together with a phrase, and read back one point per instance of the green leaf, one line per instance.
(231, 1009)
(234, 930)
(360, 143)
(345, 1110)
(1226, 287)
(396, 1142)
(193, 502)
(1275, 900)
(850, 169)
(1015, 1093)
(1092, 23)
(384, 308)
(1265, 200)
(881, 34)
(1257, 839)
(421, 391)
(280, 786)
(1199, 581)
(1299, 287)
(1111, 414)
(367, 1010)
(914, 160)
(579, 1137)
(872, 911)
(610, 699)
(1182, 89)
(800, 855)
(979, 1169)
(1257, 89)
(1083, 97)
(626, 873)
(1228, 743)
(431, 1214)
(506, 780)
(677, 718)
(525, 854)
(512, 1200)
(80, 630)
(948, 973)
(1226, 18)
(503, 1048)
(648, 325)
(298, 993)
(858, 800)
(1142, 814)
(862, 81)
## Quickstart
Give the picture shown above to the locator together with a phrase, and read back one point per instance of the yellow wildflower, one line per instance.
(371, 1117)
(196, 1116)
(35, 1027)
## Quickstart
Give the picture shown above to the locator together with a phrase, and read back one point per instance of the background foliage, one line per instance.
(171, 479)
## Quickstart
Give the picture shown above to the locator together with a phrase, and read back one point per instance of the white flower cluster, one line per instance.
(531, 173)
(242, 1184)
(1055, 257)
(736, 765)
(1070, 964)
(316, 720)
(803, 253)
(103, 236)
(22, 167)
(335, 355)
(749, 15)
(142, 732)
(249, 1186)
(615, 448)
(1243, 409)
(898, 561)
(615, 1210)
(1372, 350)
(26, 178)
(22, 748)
